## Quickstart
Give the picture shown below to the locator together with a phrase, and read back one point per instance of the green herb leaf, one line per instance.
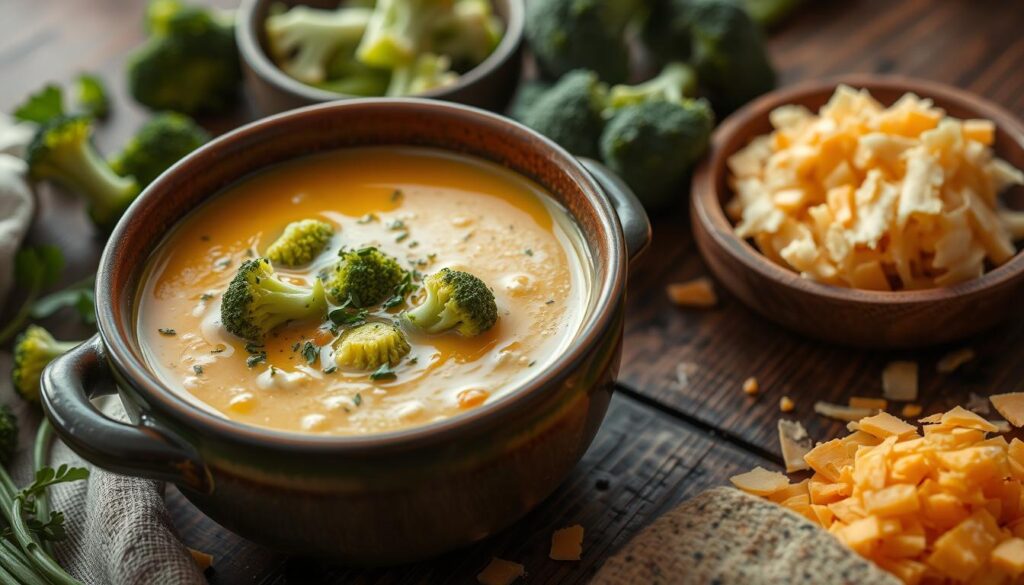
(167, 332)
(310, 351)
(198, 369)
(357, 399)
(256, 359)
(348, 317)
(42, 106)
(384, 372)
(81, 298)
(396, 194)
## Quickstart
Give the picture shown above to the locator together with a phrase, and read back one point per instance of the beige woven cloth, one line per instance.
(726, 537)
(119, 531)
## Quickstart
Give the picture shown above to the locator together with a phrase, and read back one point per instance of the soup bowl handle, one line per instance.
(146, 449)
(636, 228)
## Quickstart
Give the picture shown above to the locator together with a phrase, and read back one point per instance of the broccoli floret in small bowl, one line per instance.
(570, 113)
(303, 41)
(427, 72)
(63, 152)
(301, 242)
(371, 345)
(469, 33)
(161, 142)
(363, 277)
(34, 349)
(257, 301)
(455, 300)
(400, 30)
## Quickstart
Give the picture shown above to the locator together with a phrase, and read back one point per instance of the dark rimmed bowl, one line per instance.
(489, 85)
(861, 318)
(369, 500)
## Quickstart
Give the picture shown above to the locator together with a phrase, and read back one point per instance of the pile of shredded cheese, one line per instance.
(943, 504)
(877, 198)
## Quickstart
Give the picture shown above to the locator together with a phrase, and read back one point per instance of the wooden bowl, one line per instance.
(863, 318)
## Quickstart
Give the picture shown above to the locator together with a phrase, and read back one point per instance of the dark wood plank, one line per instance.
(641, 463)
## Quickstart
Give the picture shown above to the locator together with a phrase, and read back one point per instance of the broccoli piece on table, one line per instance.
(300, 243)
(399, 30)
(675, 82)
(33, 350)
(257, 301)
(364, 277)
(526, 96)
(370, 346)
(768, 13)
(161, 142)
(469, 34)
(91, 96)
(455, 300)
(666, 31)
(427, 72)
(303, 41)
(8, 434)
(570, 112)
(62, 151)
(653, 145)
(190, 62)
(581, 34)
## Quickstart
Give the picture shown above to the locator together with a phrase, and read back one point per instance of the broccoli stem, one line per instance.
(427, 313)
(84, 170)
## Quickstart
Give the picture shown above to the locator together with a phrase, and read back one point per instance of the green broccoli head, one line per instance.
(189, 64)
(8, 434)
(427, 72)
(455, 300)
(768, 13)
(728, 52)
(469, 34)
(570, 112)
(581, 34)
(91, 96)
(666, 31)
(363, 277)
(300, 243)
(257, 301)
(304, 40)
(399, 30)
(160, 143)
(653, 146)
(62, 151)
(675, 82)
(33, 350)
(370, 346)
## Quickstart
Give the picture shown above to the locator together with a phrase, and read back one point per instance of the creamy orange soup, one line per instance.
(428, 209)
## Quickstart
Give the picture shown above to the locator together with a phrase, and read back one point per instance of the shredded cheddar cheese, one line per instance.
(698, 293)
(872, 197)
(943, 503)
(567, 544)
(203, 560)
(786, 404)
(751, 386)
(500, 572)
(899, 381)
(1010, 406)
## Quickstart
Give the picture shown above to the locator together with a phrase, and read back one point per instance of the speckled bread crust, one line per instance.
(726, 537)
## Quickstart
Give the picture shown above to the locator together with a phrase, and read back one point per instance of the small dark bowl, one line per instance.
(489, 85)
(862, 318)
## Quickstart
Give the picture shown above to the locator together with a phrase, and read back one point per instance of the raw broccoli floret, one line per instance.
(304, 40)
(653, 146)
(427, 72)
(257, 301)
(370, 346)
(666, 31)
(455, 300)
(62, 151)
(581, 34)
(675, 82)
(363, 277)
(301, 242)
(728, 52)
(469, 34)
(190, 62)
(33, 350)
(8, 435)
(91, 96)
(161, 142)
(347, 75)
(399, 30)
(570, 112)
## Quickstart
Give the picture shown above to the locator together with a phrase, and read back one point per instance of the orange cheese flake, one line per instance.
(911, 410)
(840, 412)
(953, 360)
(786, 404)
(795, 443)
(1010, 406)
(203, 560)
(567, 543)
(942, 504)
(698, 293)
(500, 572)
(872, 403)
(899, 381)
(750, 386)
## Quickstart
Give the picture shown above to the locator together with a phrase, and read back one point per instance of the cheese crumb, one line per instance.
(795, 443)
(864, 402)
(1010, 406)
(786, 404)
(750, 386)
(760, 481)
(698, 293)
(567, 544)
(203, 560)
(953, 360)
(500, 572)
(899, 381)
(840, 412)
(911, 410)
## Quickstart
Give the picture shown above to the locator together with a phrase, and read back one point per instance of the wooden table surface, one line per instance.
(665, 438)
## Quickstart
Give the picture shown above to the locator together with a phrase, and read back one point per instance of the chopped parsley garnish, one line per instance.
(414, 244)
(256, 359)
(396, 194)
(218, 349)
(296, 346)
(401, 290)
(349, 317)
(549, 302)
(273, 371)
(205, 296)
(198, 369)
(310, 351)
(366, 218)
(531, 364)
(401, 237)
(357, 399)
(384, 372)
(167, 332)
(396, 225)
(528, 252)
(331, 370)
(414, 359)
(254, 348)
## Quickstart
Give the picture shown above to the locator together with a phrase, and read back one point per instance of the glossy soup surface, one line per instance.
(457, 212)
